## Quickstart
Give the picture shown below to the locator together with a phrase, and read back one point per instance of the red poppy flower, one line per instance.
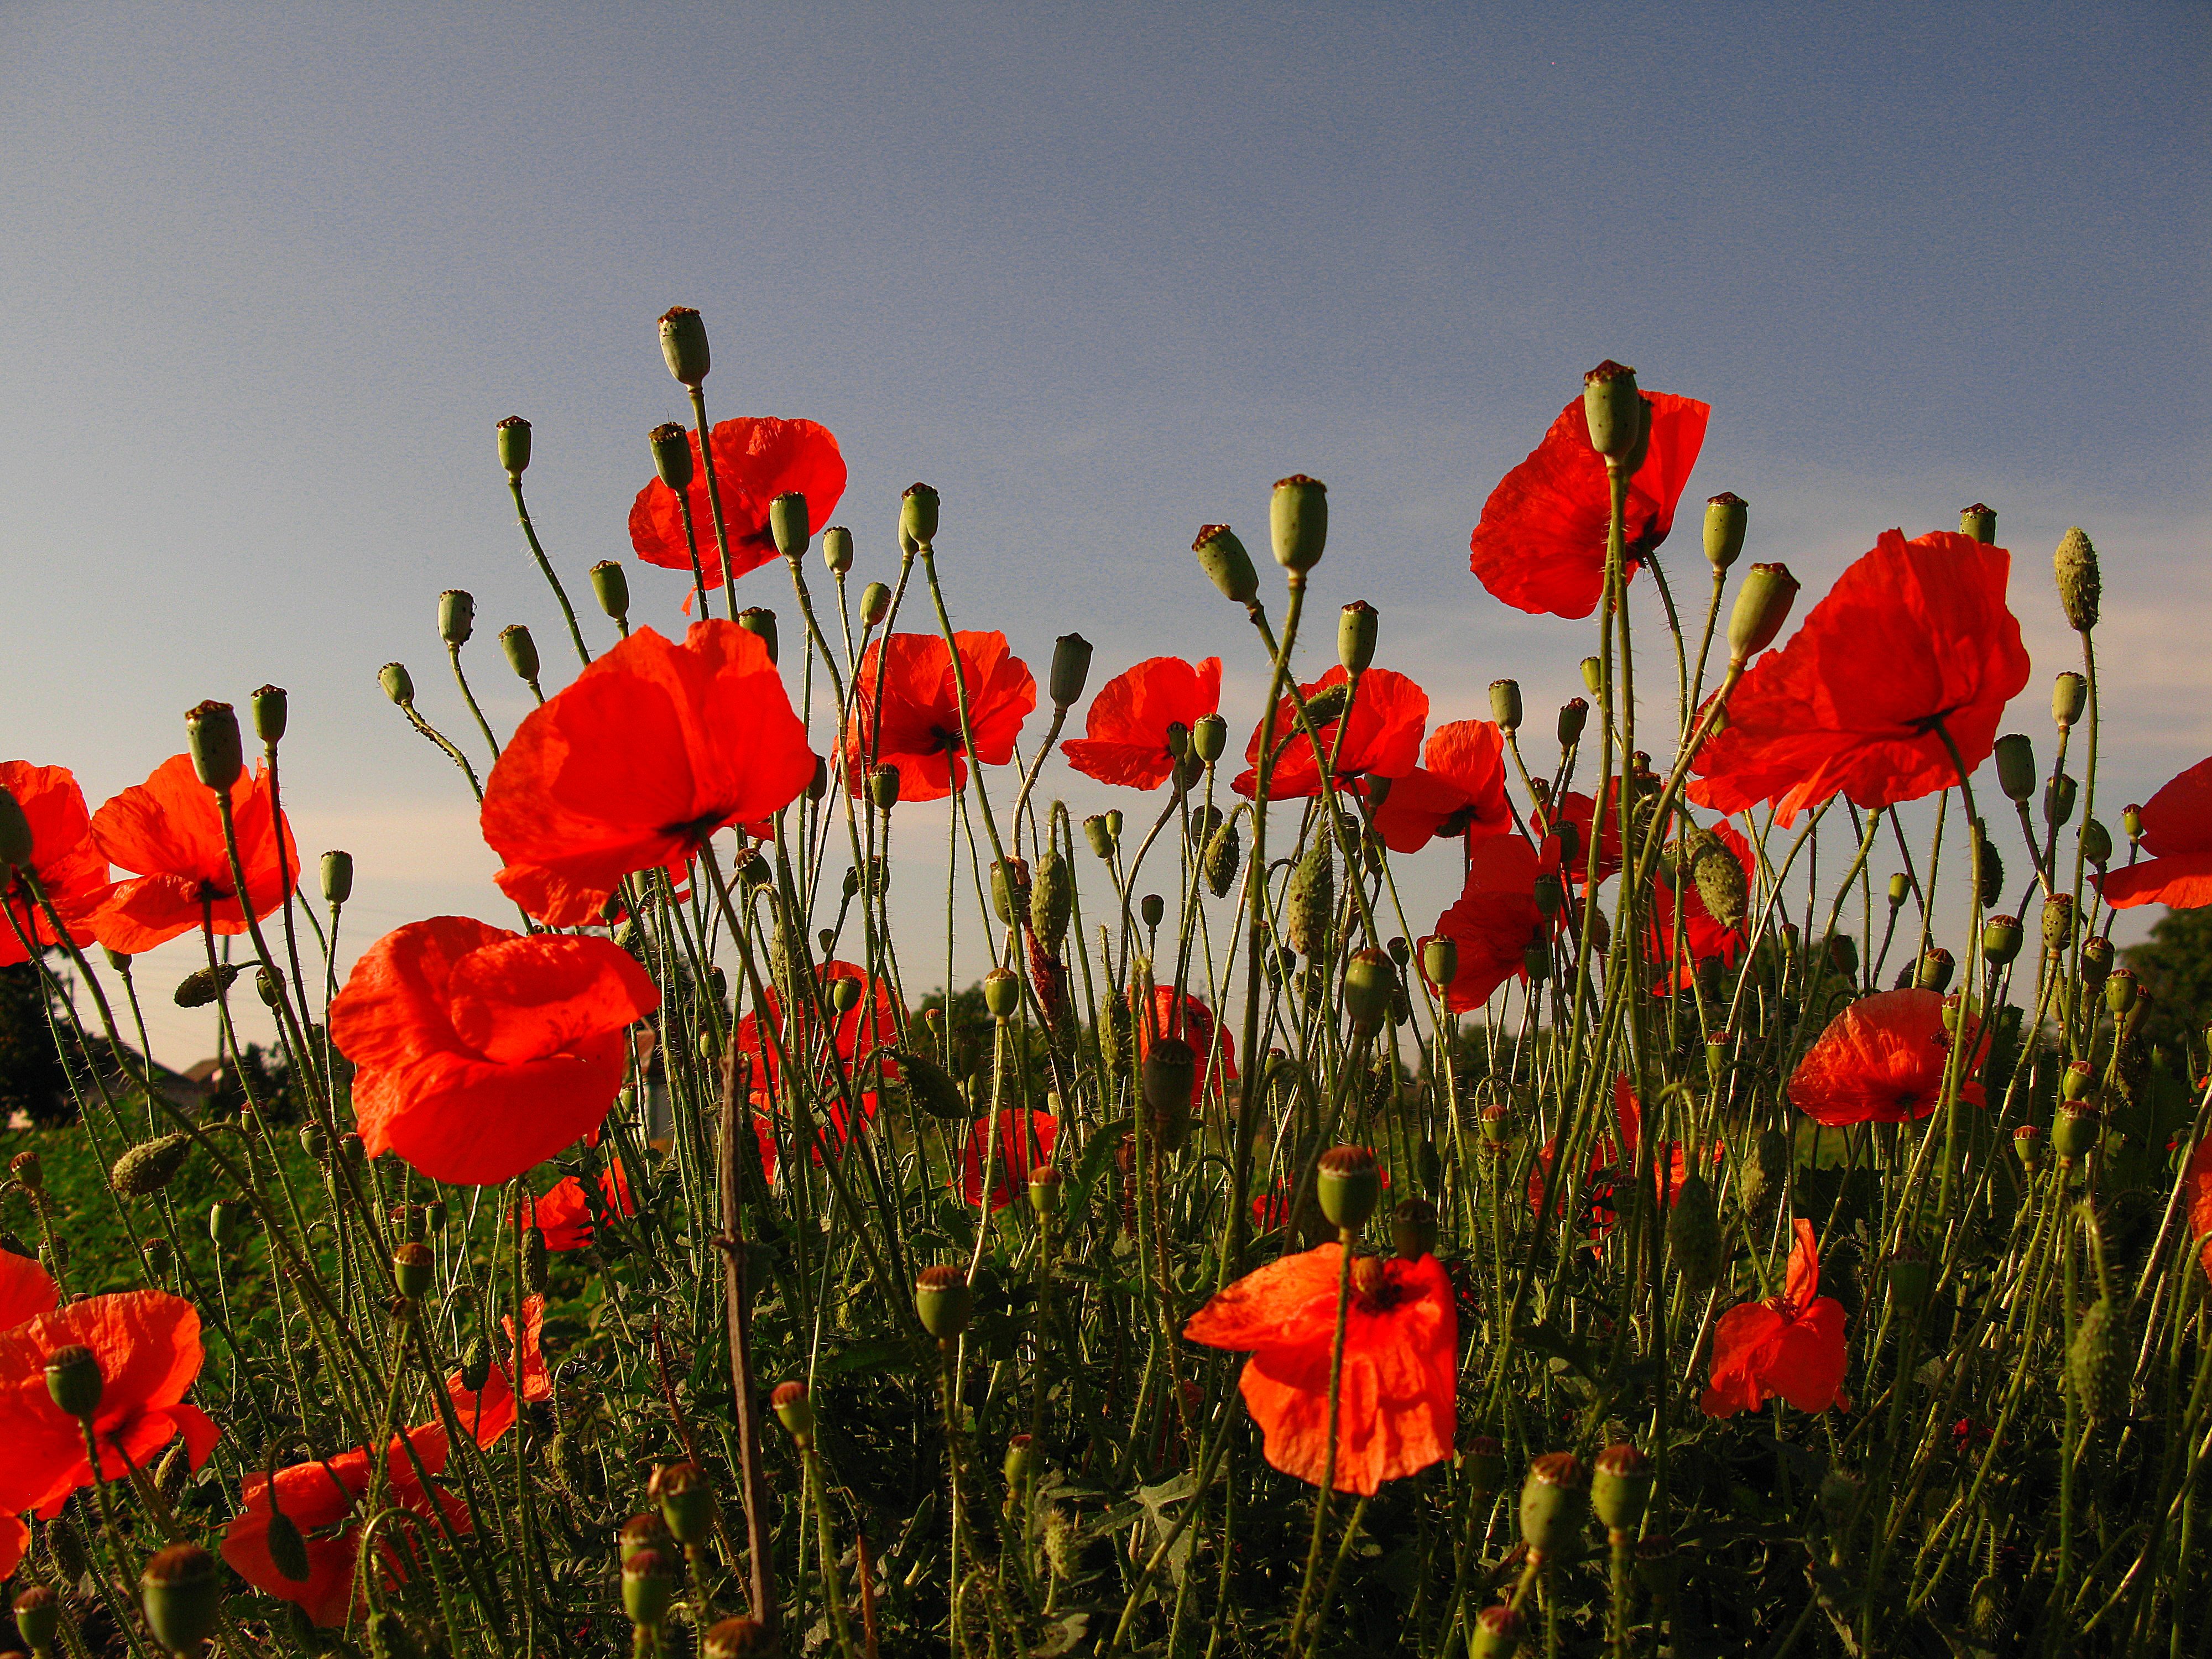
(1792, 1346)
(861, 1030)
(488, 1413)
(1193, 1022)
(1022, 1142)
(1396, 1401)
(1882, 1060)
(830, 1129)
(1272, 1209)
(757, 457)
(1460, 791)
(1127, 730)
(1493, 923)
(1383, 740)
(2177, 829)
(482, 1053)
(910, 688)
(1577, 809)
(1913, 635)
(321, 1498)
(147, 1346)
(167, 829)
(14, 1540)
(63, 858)
(636, 763)
(1699, 935)
(26, 1289)
(1541, 545)
(1613, 1162)
(565, 1213)
(2200, 1199)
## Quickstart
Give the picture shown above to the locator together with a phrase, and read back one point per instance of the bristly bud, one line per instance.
(182, 1590)
(218, 751)
(686, 1500)
(397, 683)
(514, 434)
(1593, 675)
(1979, 521)
(684, 343)
(1223, 857)
(2001, 940)
(1356, 625)
(1369, 979)
(287, 1548)
(875, 605)
(1621, 1486)
(788, 524)
(1348, 1186)
(794, 1409)
(1414, 1228)
(1310, 900)
(521, 652)
(837, 548)
(149, 1167)
(271, 709)
(2095, 1364)
(1989, 867)
(200, 988)
(1071, 667)
(610, 587)
(1574, 714)
(671, 455)
(1170, 1074)
(38, 1617)
(1052, 899)
(1727, 515)
(1614, 409)
(1298, 521)
(2081, 587)
(1498, 1631)
(1553, 1501)
(2058, 797)
(1440, 960)
(1762, 605)
(457, 616)
(2070, 698)
(1226, 564)
(74, 1380)
(1693, 1235)
(2015, 757)
(534, 1264)
(337, 877)
(641, 1533)
(918, 513)
(739, 1638)
(648, 1588)
(945, 1300)
(1721, 886)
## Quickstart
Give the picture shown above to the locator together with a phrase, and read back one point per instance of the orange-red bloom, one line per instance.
(1792, 1346)
(147, 1346)
(1541, 545)
(26, 1289)
(488, 1413)
(1382, 739)
(1396, 1401)
(1612, 1165)
(2177, 829)
(482, 1053)
(1493, 923)
(1022, 1142)
(321, 1497)
(1460, 790)
(860, 1029)
(757, 457)
(909, 688)
(64, 860)
(1193, 1022)
(2200, 1199)
(648, 753)
(1914, 636)
(1577, 809)
(1882, 1060)
(168, 830)
(1126, 739)
(567, 1215)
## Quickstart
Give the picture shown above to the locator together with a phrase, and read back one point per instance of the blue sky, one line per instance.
(1099, 273)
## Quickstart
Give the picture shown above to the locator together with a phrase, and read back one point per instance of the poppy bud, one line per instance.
(2076, 1130)
(943, 1298)
(1440, 960)
(1552, 1501)
(788, 525)
(1414, 1228)
(38, 1617)
(457, 616)
(2001, 940)
(2027, 1147)
(533, 1252)
(684, 343)
(182, 1590)
(875, 604)
(1574, 714)
(1762, 605)
(1297, 520)
(1152, 907)
(610, 587)
(204, 985)
(2131, 822)
(287, 1548)
(2120, 991)
(883, 787)
(1766, 1173)
(149, 1166)
(1310, 900)
(2059, 798)
(739, 1638)
(1614, 409)
(1727, 515)
(2093, 1364)
(1071, 667)
(521, 652)
(1224, 855)
(2080, 587)
(1002, 993)
(218, 752)
(397, 683)
(1348, 1186)
(648, 1588)
(2057, 921)
(1621, 1486)
(74, 1380)
(1593, 675)
(1935, 969)
(687, 1502)
(1356, 628)
(1498, 1632)
(918, 509)
(1368, 981)
(639, 1534)
(1101, 838)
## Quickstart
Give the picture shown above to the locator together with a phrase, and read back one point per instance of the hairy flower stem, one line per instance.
(546, 568)
(1344, 1240)
(714, 500)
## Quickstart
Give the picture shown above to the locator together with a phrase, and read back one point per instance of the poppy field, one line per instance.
(1743, 1222)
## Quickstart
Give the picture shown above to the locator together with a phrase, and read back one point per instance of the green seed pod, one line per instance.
(2059, 798)
(1170, 1075)
(1224, 855)
(1695, 1235)
(1536, 960)
(287, 1548)
(397, 683)
(1728, 516)
(269, 986)
(672, 458)
(1505, 704)
(788, 524)
(1002, 993)
(875, 604)
(38, 1617)
(1613, 409)
(149, 1167)
(1499, 1631)
(1593, 675)
(1414, 1228)
(1553, 1500)
(1114, 823)
(1574, 714)
(1721, 886)
(2096, 842)
(2094, 1365)
(1621, 1486)
(645, 1532)
(837, 548)
(2002, 937)
(1152, 907)
(2070, 698)
(1369, 979)
(883, 787)
(533, 1259)
(1900, 889)
(337, 877)
(686, 1500)
(1348, 1186)
(932, 1088)
(2131, 822)
(2075, 1129)
(1356, 625)
(157, 1255)
(1936, 968)
(944, 1301)
(610, 587)
(1045, 1185)
(1071, 668)
(514, 435)
(1100, 837)
(223, 1216)
(74, 1380)
(2080, 587)
(2096, 961)
(794, 1409)
(683, 345)
(456, 616)
(1762, 605)
(1310, 903)
(1440, 961)
(1209, 738)
(182, 1590)
(1429, 1166)
(760, 622)
(2121, 991)
(521, 652)
(2057, 921)
(1298, 521)
(204, 985)
(412, 1268)
(918, 515)
(1226, 564)
(218, 750)
(1979, 521)
(1908, 1272)
(1483, 1464)
(739, 1638)
(271, 711)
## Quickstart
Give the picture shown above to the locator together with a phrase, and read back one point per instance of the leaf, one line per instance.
(1062, 1636)
(894, 1353)
(1155, 1500)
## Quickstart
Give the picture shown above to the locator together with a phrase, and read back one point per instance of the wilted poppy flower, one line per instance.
(1193, 1022)
(1396, 1401)
(488, 1413)
(148, 1346)
(1541, 545)
(1493, 923)
(757, 457)
(1612, 1164)
(1882, 1060)
(1126, 739)
(64, 860)
(565, 1213)
(1698, 934)
(1792, 1346)
(321, 1497)
(26, 1288)
(2177, 829)
(1383, 739)
(1914, 635)
(168, 832)
(638, 761)
(1023, 1142)
(482, 1053)
(1458, 790)
(909, 688)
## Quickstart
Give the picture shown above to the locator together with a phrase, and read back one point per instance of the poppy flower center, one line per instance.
(947, 741)
(696, 830)
(1372, 1287)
